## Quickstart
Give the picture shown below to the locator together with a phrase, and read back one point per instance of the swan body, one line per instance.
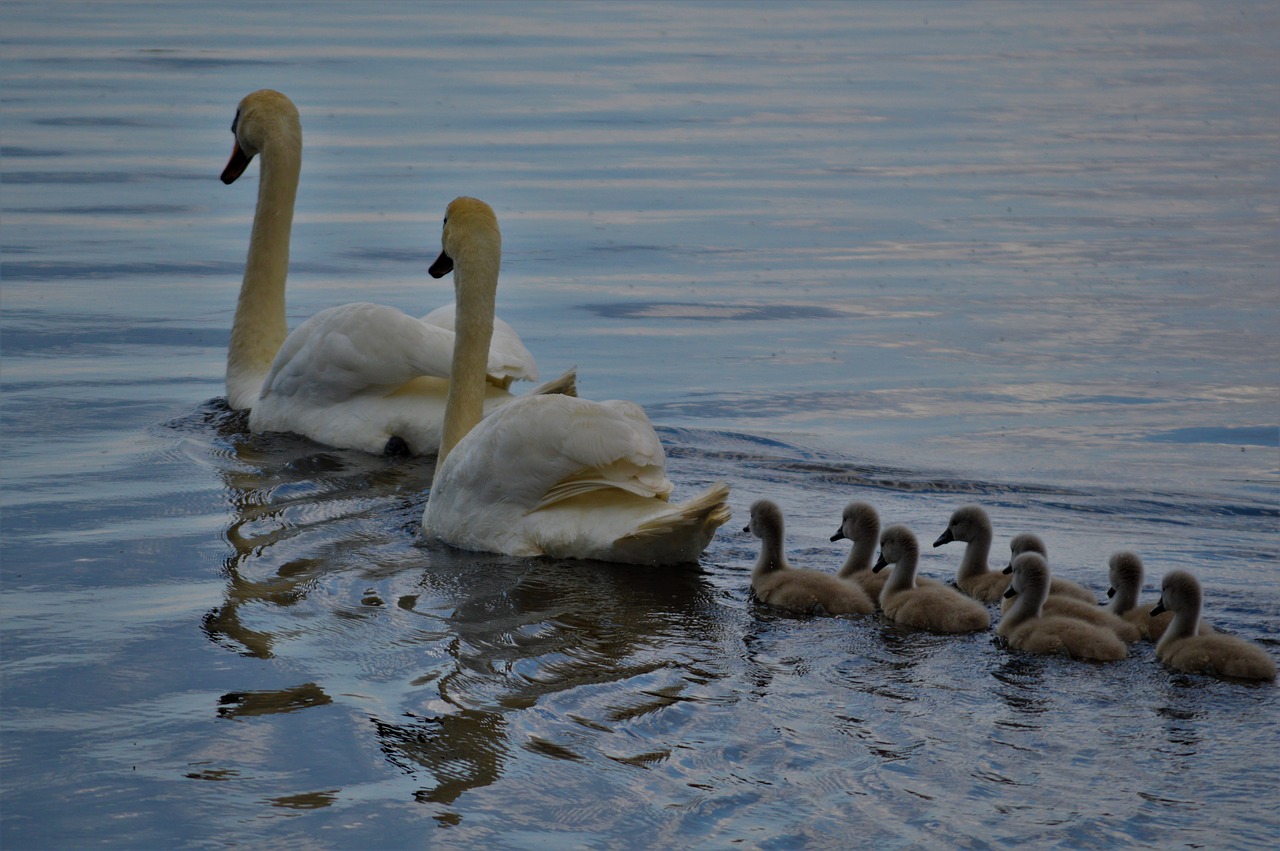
(1027, 627)
(776, 583)
(355, 376)
(1186, 647)
(933, 607)
(546, 475)
(1058, 587)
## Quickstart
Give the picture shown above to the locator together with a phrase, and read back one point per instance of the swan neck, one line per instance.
(1126, 598)
(903, 576)
(475, 278)
(859, 560)
(976, 552)
(771, 556)
(1185, 624)
(260, 326)
(1028, 604)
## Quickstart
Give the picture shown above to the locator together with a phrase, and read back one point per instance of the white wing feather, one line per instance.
(562, 476)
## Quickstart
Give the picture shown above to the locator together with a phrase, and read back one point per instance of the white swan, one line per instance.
(1186, 647)
(1027, 627)
(933, 607)
(547, 475)
(358, 376)
(776, 583)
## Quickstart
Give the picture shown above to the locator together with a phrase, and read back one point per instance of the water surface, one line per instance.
(919, 254)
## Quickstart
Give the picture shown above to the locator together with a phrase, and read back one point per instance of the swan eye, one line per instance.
(235, 122)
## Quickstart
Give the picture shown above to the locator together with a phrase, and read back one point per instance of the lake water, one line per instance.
(920, 254)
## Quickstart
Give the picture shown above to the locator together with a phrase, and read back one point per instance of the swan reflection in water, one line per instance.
(445, 648)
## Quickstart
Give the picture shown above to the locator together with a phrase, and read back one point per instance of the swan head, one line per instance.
(1030, 577)
(470, 231)
(766, 519)
(1179, 592)
(1025, 543)
(263, 117)
(858, 523)
(1124, 570)
(896, 543)
(967, 523)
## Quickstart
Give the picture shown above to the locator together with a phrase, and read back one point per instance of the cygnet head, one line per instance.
(967, 523)
(1124, 571)
(1179, 592)
(766, 519)
(896, 543)
(859, 523)
(470, 235)
(1025, 543)
(1030, 577)
(262, 117)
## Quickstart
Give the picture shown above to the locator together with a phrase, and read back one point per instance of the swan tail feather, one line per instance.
(694, 521)
(620, 476)
(565, 385)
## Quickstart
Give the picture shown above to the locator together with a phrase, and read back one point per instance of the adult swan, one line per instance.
(547, 475)
(359, 376)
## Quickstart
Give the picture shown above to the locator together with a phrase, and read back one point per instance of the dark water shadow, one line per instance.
(501, 635)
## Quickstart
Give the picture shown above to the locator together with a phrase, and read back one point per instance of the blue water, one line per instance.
(919, 254)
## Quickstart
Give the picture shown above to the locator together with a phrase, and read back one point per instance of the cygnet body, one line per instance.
(860, 524)
(1186, 647)
(970, 525)
(1027, 627)
(1125, 572)
(776, 583)
(933, 607)
(1058, 587)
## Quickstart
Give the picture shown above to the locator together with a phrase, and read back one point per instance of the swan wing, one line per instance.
(509, 359)
(360, 348)
(541, 450)
(567, 477)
